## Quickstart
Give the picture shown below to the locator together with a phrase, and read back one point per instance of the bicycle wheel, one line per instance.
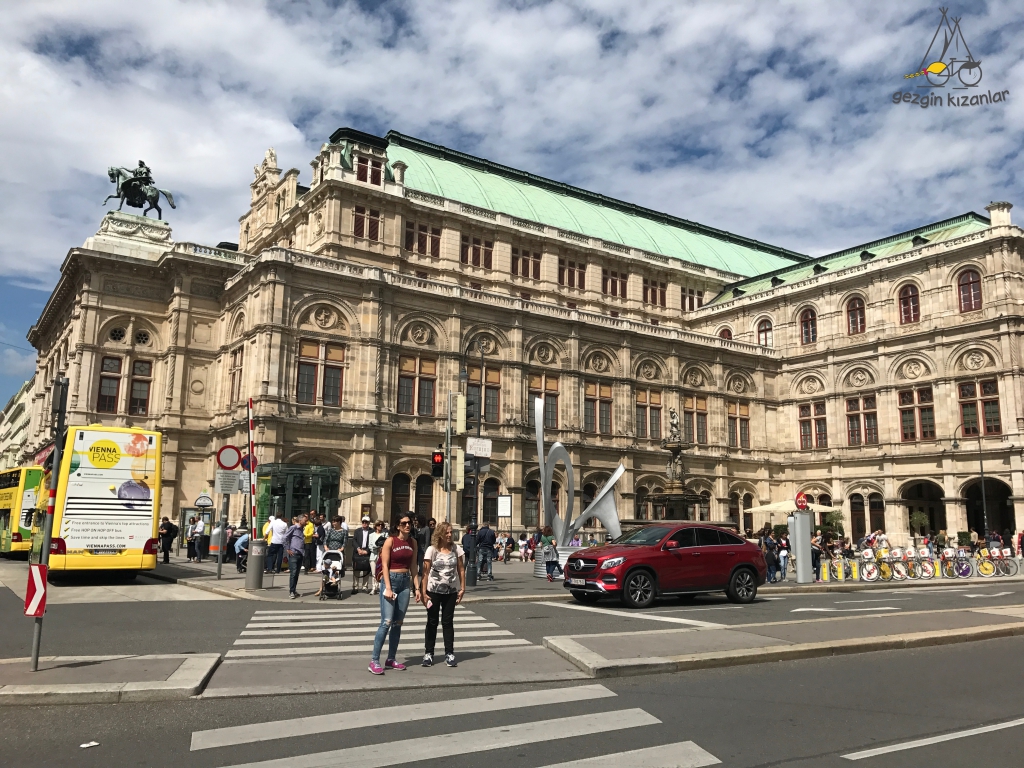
(964, 569)
(833, 571)
(885, 571)
(986, 568)
(869, 572)
(1011, 567)
(948, 569)
(899, 571)
(927, 570)
(914, 569)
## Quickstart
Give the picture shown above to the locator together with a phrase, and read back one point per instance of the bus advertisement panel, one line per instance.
(17, 505)
(108, 500)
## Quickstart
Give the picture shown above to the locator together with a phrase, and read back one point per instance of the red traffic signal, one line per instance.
(437, 464)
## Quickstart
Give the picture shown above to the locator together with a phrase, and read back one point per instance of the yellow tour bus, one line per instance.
(18, 498)
(107, 507)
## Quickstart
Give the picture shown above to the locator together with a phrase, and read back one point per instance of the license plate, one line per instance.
(104, 551)
(578, 582)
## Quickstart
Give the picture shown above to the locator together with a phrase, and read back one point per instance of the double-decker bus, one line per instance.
(107, 507)
(18, 499)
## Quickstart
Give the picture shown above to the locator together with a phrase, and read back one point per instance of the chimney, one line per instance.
(1000, 213)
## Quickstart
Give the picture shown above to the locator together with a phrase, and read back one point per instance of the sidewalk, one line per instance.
(512, 581)
(715, 645)
(104, 679)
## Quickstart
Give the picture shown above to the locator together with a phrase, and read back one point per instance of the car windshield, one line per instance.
(648, 535)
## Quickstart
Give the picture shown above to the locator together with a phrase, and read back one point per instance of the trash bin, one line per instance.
(254, 568)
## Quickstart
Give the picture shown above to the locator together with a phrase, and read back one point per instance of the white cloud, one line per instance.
(772, 120)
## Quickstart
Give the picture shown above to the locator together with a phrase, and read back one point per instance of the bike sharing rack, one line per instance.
(800, 525)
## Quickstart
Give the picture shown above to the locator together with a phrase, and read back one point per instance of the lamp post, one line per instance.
(981, 468)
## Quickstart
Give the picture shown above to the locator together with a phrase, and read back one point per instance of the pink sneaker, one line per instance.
(376, 668)
(392, 664)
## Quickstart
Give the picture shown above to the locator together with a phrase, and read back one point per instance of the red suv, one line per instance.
(667, 559)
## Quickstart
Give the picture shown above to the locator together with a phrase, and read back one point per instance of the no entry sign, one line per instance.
(35, 595)
(229, 457)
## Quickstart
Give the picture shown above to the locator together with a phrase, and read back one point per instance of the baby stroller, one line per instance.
(333, 570)
(242, 560)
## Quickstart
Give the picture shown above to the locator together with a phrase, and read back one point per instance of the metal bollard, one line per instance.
(254, 566)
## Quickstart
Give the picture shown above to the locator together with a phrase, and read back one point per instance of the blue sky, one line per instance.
(772, 119)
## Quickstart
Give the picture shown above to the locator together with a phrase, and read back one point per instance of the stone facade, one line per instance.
(350, 308)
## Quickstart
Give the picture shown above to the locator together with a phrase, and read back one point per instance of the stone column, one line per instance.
(956, 515)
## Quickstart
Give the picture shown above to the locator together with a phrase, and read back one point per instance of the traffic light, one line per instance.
(460, 469)
(437, 464)
(460, 414)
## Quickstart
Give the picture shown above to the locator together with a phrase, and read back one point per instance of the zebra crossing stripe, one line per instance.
(278, 641)
(340, 649)
(474, 628)
(684, 754)
(365, 718)
(373, 611)
(464, 742)
(345, 623)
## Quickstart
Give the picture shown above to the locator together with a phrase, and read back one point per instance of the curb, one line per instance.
(863, 586)
(185, 682)
(596, 666)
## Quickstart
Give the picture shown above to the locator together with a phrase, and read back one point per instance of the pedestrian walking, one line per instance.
(168, 532)
(549, 550)
(198, 532)
(361, 556)
(485, 540)
(399, 580)
(295, 545)
(275, 552)
(816, 545)
(770, 548)
(376, 542)
(442, 587)
(423, 533)
(308, 545)
(783, 555)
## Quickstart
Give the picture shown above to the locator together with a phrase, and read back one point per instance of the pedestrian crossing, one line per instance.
(533, 729)
(338, 631)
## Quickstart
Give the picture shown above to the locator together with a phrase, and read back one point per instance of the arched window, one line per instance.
(641, 503)
(400, 494)
(970, 291)
(825, 500)
(855, 317)
(734, 507)
(725, 333)
(876, 510)
(764, 333)
(705, 505)
(425, 496)
(658, 510)
(808, 326)
(491, 488)
(857, 521)
(589, 492)
(531, 505)
(910, 304)
(809, 497)
(555, 490)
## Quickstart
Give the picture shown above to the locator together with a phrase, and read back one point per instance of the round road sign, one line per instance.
(229, 457)
(248, 462)
(801, 501)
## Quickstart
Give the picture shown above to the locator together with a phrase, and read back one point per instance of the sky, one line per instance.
(774, 120)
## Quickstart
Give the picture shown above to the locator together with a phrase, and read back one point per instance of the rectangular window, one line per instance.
(613, 283)
(546, 386)
(695, 419)
(492, 391)
(590, 406)
(917, 415)
(139, 403)
(368, 170)
(811, 417)
(235, 383)
(526, 263)
(571, 273)
(654, 292)
(306, 389)
(476, 252)
(110, 386)
(908, 425)
(366, 223)
(332, 385)
(406, 388)
(423, 239)
(871, 429)
(738, 424)
(648, 413)
(425, 387)
(805, 435)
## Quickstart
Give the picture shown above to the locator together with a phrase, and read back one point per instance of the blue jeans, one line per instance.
(772, 569)
(392, 613)
(783, 564)
(275, 554)
(485, 555)
(294, 569)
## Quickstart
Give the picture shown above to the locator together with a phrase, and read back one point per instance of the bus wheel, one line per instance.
(126, 575)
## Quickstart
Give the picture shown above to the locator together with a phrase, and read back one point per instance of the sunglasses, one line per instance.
(405, 522)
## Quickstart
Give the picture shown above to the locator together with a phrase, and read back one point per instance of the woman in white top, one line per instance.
(440, 592)
(376, 542)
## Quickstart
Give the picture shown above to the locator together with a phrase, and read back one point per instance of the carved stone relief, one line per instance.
(324, 317)
(738, 385)
(859, 378)
(695, 378)
(649, 370)
(421, 334)
(913, 369)
(197, 386)
(486, 343)
(810, 386)
(544, 354)
(975, 360)
(598, 363)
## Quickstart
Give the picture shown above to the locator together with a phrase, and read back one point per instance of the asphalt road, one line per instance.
(801, 713)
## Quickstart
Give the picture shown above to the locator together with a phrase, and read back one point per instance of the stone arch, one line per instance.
(757, 321)
(496, 343)
(410, 465)
(696, 375)
(897, 285)
(953, 272)
(420, 329)
(857, 376)
(809, 385)
(911, 366)
(740, 382)
(120, 321)
(649, 367)
(721, 327)
(998, 509)
(143, 325)
(973, 356)
(236, 326)
(546, 350)
(800, 309)
(590, 357)
(344, 321)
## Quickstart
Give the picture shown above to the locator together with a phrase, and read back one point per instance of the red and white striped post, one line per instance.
(252, 474)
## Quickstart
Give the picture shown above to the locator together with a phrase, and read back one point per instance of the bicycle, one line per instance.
(885, 571)
(869, 569)
(900, 571)
(839, 565)
(1007, 563)
(986, 563)
(923, 565)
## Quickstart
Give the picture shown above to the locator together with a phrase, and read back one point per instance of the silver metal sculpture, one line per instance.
(602, 507)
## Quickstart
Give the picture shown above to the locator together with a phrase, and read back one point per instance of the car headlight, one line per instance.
(615, 562)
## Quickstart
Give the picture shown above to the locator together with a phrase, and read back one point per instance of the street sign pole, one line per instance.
(223, 532)
(60, 402)
(471, 566)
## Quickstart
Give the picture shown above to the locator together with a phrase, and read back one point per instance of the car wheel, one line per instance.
(742, 586)
(639, 590)
(586, 597)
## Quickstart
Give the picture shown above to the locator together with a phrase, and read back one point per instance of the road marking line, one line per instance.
(353, 630)
(463, 636)
(932, 740)
(845, 610)
(368, 622)
(886, 600)
(328, 649)
(995, 594)
(773, 598)
(465, 742)
(684, 754)
(365, 718)
(636, 615)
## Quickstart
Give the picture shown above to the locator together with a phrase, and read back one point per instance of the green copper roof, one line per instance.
(836, 262)
(447, 173)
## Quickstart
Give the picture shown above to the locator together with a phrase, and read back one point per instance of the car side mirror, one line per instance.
(671, 544)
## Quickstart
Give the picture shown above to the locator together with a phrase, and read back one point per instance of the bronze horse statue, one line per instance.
(136, 192)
